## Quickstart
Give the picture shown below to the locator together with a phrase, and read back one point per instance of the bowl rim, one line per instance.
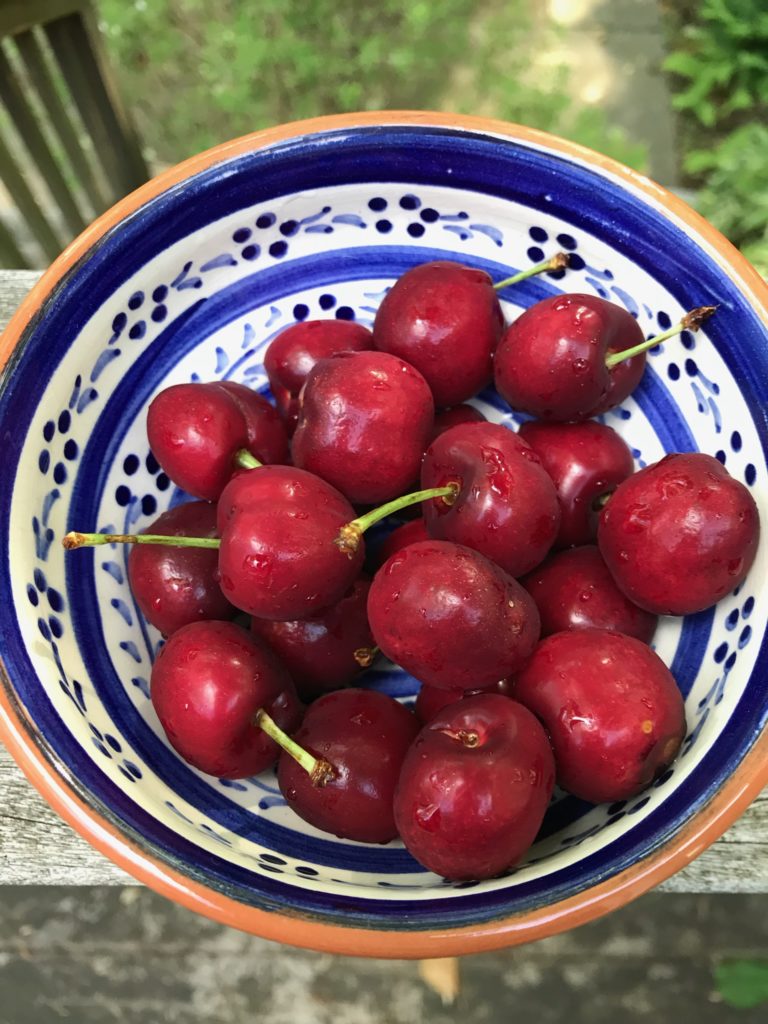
(707, 825)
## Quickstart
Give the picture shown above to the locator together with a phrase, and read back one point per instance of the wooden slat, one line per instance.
(61, 122)
(35, 142)
(28, 206)
(10, 254)
(98, 103)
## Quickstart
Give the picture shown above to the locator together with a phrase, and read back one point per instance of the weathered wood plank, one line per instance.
(37, 847)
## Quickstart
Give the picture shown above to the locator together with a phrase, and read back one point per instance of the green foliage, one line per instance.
(743, 983)
(723, 65)
(196, 74)
(723, 60)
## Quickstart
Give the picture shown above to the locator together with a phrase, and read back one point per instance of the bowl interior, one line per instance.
(192, 287)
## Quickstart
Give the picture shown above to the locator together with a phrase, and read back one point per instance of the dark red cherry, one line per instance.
(364, 735)
(194, 431)
(551, 361)
(293, 353)
(364, 422)
(176, 586)
(278, 557)
(611, 707)
(207, 684)
(327, 651)
(587, 461)
(474, 788)
(574, 590)
(450, 617)
(431, 700)
(447, 418)
(408, 533)
(506, 506)
(680, 534)
(267, 437)
(444, 319)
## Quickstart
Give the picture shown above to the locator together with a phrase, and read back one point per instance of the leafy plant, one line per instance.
(723, 60)
(722, 71)
(743, 983)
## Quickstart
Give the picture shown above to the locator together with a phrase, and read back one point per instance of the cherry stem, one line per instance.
(365, 656)
(319, 770)
(244, 458)
(560, 261)
(87, 540)
(350, 534)
(691, 322)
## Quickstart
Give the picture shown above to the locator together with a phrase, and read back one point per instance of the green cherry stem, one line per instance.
(89, 540)
(349, 536)
(691, 322)
(560, 261)
(244, 459)
(319, 770)
(365, 656)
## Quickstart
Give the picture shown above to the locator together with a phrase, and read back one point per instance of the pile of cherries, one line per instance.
(523, 598)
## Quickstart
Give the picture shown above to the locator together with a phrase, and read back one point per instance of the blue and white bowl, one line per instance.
(189, 279)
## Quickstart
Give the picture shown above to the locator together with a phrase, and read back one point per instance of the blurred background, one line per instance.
(95, 98)
(675, 88)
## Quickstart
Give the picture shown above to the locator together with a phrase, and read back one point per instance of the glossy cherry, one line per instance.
(364, 736)
(293, 353)
(364, 423)
(506, 507)
(174, 586)
(208, 682)
(587, 461)
(444, 319)
(474, 788)
(451, 617)
(196, 430)
(573, 589)
(611, 707)
(267, 437)
(430, 700)
(327, 651)
(447, 418)
(401, 537)
(278, 557)
(551, 361)
(680, 534)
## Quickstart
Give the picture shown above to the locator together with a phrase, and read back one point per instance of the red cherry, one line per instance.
(586, 461)
(320, 653)
(293, 353)
(506, 507)
(444, 319)
(364, 735)
(278, 557)
(680, 534)
(408, 533)
(451, 617)
(194, 431)
(207, 684)
(574, 590)
(474, 788)
(176, 586)
(611, 707)
(431, 700)
(551, 361)
(448, 418)
(364, 423)
(267, 439)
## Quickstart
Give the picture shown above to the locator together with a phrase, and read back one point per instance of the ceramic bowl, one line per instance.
(188, 279)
